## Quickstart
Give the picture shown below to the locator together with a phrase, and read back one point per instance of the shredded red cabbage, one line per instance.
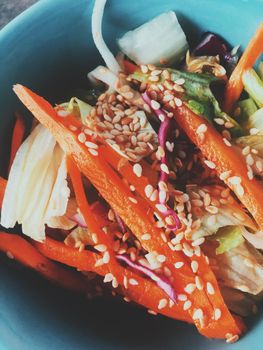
(161, 281)
(162, 138)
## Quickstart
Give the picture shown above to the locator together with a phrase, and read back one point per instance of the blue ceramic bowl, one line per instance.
(49, 49)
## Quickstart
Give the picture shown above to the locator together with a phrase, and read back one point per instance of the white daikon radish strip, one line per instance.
(96, 28)
(104, 75)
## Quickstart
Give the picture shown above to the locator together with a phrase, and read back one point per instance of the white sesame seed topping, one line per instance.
(133, 200)
(162, 196)
(91, 145)
(246, 150)
(201, 129)
(198, 242)
(210, 164)
(178, 102)
(210, 288)
(217, 314)
(182, 297)
(219, 121)
(161, 207)
(180, 81)
(162, 304)
(137, 169)
(198, 314)
(133, 282)
(148, 190)
(144, 68)
(240, 190)
(223, 176)
(146, 237)
(82, 137)
(189, 289)
(169, 146)
(232, 339)
(9, 255)
(254, 131)
(161, 258)
(155, 105)
(179, 264)
(73, 128)
(164, 168)
(93, 151)
(187, 305)
(106, 258)
(132, 188)
(194, 266)
(100, 247)
(151, 312)
(108, 278)
(115, 283)
(199, 283)
(227, 143)
(249, 159)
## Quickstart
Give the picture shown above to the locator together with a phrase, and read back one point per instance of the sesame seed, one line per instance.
(229, 125)
(151, 312)
(137, 169)
(198, 314)
(179, 264)
(144, 68)
(259, 165)
(178, 247)
(210, 164)
(197, 251)
(161, 258)
(249, 159)
(106, 258)
(201, 129)
(162, 196)
(94, 238)
(162, 304)
(219, 121)
(9, 255)
(161, 207)
(223, 176)
(156, 72)
(155, 105)
(194, 266)
(240, 190)
(154, 196)
(199, 283)
(125, 282)
(93, 151)
(246, 150)
(132, 188)
(148, 191)
(100, 247)
(82, 137)
(232, 339)
(189, 289)
(210, 288)
(197, 202)
(115, 283)
(178, 102)
(217, 314)
(171, 303)
(127, 299)
(250, 173)
(91, 145)
(133, 282)
(234, 180)
(133, 200)
(187, 305)
(182, 297)
(180, 81)
(73, 128)
(211, 209)
(99, 262)
(108, 278)
(169, 146)
(227, 142)
(146, 237)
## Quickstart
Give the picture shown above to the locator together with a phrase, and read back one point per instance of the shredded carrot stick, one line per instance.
(145, 293)
(129, 207)
(2, 190)
(225, 160)
(17, 137)
(18, 248)
(235, 86)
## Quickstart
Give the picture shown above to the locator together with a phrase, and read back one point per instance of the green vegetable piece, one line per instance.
(247, 108)
(254, 86)
(228, 237)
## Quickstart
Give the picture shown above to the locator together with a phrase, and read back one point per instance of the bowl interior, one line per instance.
(49, 49)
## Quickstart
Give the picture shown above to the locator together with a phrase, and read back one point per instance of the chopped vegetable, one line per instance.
(260, 70)
(253, 85)
(228, 237)
(140, 44)
(256, 239)
(205, 64)
(247, 60)
(255, 121)
(247, 108)
(18, 248)
(96, 27)
(17, 138)
(80, 108)
(225, 159)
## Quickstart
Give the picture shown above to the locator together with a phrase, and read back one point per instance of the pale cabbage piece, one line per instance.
(37, 175)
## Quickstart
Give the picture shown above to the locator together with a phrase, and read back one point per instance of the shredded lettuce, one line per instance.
(159, 41)
(37, 188)
(247, 108)
(254, 86)
(228, 238)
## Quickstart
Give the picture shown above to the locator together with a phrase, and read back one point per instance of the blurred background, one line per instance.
(11, 8)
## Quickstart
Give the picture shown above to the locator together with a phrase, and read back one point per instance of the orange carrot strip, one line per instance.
(118, 195)
(17, 138)
(2, 190)
(226, 159)
(17, 247)
(235, 86)
(145, 293)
